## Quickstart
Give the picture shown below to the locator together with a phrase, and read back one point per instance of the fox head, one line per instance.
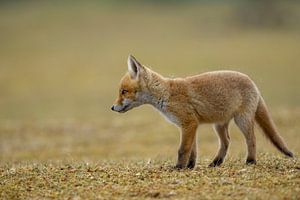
(132, 87)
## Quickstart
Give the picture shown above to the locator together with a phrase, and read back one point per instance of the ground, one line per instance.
(273, 178)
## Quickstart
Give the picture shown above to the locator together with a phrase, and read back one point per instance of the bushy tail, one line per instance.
(265, 122)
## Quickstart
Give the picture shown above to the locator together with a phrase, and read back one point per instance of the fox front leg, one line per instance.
(193, 157)
(188, 133)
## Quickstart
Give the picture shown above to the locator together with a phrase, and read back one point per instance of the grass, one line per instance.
(272, 178)
(60, 64)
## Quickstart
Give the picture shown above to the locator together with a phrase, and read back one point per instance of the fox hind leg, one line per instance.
(245, 122)
(224, 139)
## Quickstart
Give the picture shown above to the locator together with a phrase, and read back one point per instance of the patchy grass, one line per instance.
(273, 177)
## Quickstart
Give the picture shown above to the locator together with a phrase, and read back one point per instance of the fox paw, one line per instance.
(179, 166)
(216, 162)
(250, 161)
(191, 164)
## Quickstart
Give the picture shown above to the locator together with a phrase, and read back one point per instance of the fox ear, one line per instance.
(134, 67)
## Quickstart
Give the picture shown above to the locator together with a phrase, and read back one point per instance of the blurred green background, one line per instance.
(63, 59)
(61, 62)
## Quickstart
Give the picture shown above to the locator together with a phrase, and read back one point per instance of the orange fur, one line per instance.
(212, 97)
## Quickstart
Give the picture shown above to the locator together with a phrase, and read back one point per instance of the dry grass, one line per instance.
(60, 64)
(273, 178)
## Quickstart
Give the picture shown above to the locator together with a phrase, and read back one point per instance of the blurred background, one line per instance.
(61, 62)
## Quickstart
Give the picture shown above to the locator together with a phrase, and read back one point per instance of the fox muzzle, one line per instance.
(118, 108)
(125, 106)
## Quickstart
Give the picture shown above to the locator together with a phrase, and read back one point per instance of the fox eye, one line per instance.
(124, 92)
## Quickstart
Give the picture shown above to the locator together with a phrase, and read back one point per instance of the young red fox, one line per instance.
(212, 97)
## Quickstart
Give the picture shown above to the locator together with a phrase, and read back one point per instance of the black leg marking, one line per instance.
(250, 161)
(216, 162)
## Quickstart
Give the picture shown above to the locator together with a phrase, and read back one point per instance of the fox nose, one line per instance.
(112, 108)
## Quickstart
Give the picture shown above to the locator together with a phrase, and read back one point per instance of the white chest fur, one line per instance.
(160, 105)
(170, 117)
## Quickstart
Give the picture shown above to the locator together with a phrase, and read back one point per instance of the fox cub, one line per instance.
(213, 97)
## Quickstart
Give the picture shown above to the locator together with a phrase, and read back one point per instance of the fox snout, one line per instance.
(122, 107)
(118, 108)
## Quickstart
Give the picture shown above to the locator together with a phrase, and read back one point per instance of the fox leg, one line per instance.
(222, 131)
(246, 125)
(188, 133)
(193, 157)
